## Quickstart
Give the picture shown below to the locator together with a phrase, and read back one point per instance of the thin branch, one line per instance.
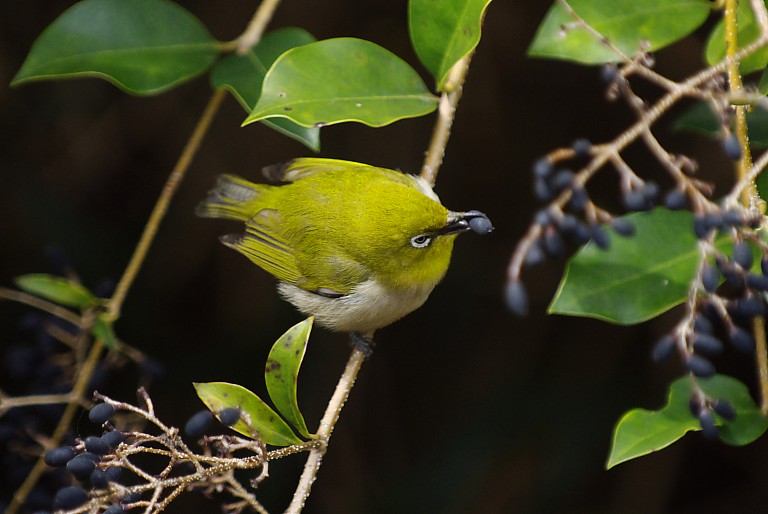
(43, 305)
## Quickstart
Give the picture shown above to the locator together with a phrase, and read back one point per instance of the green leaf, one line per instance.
(142, 46)
(444, 31)
(338, 80)
(748, 31)
(57, 289)
(242, 75)
(282, 372)
(626, 23)
(640, 432)
(638, 277)
(102, 329)
(269, 426)
(699, 119)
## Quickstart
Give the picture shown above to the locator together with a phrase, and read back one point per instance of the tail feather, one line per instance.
(232, 198)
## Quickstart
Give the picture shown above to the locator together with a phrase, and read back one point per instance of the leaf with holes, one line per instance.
(282, 372)
(243, 75)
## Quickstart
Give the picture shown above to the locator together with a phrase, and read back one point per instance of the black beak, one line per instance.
(471, 220)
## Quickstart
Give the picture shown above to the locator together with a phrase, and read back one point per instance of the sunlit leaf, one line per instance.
(444, 31)
(282, 372)
(266, 422)
(630, 25)
(699, 119)
(142, 46)
(338, 80)
(242, 75)
(57, 289)
(638, 277)
(640, 432)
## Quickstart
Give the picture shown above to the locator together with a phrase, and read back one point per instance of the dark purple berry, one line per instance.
(710, 278)
(724, 409)
(609, 73)
(757, 282)
(702, 325)
(623, 227)
(695, 405)
(562, 180)
(543, 167)
(635, 200)
(600, 237)
(579, 199)
(708, 426)
(663, 348)
(59, 457)
(113, 439)
(69, 498)
(742, 340)
(676, 200)
(113, 473)
(567, 223)
(707, 344)
(101, 412)
(732, 147)
(199, 424)
(81, 466)
(582, 234)
(553, 243)
(114, 509)
(700, 227)
(733, 218)
(543, 217)
(542, 190)
(535, 254)
(742, 254)
(650, 193)
(700, 366)
(747, 307)
(99, 479)
(480, 225)
(229, 416)
(581, 147)
(516, 297)
(97, 445)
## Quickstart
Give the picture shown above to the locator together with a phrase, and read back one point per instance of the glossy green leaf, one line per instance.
(282, 372)
(640, 432)
(748, 31)
(444, 31)
(102, 329)
(268, 425)
(699, 119)
(57, 289)
(242, 75)
(338, 80)
(626, 23)
(142, 46)
(638, 277)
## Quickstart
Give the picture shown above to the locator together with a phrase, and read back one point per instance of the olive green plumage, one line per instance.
(354, 245)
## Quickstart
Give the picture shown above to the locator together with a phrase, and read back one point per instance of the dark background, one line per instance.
(463, 408)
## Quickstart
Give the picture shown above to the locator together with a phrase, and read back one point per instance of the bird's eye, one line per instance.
(421, 241)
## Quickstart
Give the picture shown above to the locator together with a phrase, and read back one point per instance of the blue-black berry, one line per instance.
(635, 200)
(199, 424)
(757, 282)
(113, 473)
(59, 457)
(543, 167)
(732, 147)
(675, 200)
(708, 426)
(114, 509)
(742, 254)
(97, 445)
(535, 254)
(99, 479)
(663, 348)
(516, 297)
(623, 227)
(562, 180)
(724, 409)
(113, 438)
(101, 412)
(553, 243)
(581, 147)
(579, 199)
(742, 340)
(229, 416)
(710, 278)
(600, 237)
(69, 498)
(480, 225)
(707, 344)
(81, 466)
(542, 190)
(700, 366)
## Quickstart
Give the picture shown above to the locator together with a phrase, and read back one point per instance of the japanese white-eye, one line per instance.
(356, 246)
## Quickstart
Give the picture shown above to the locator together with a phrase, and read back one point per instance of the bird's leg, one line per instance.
(362, 342)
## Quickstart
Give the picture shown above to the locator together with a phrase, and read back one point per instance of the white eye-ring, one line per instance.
(421, 241)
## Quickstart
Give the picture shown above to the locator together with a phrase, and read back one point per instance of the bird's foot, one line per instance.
(362, 342)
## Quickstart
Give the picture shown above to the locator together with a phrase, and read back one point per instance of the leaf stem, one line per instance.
(446, 113)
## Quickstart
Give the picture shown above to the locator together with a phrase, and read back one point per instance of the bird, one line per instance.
(353, 245)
